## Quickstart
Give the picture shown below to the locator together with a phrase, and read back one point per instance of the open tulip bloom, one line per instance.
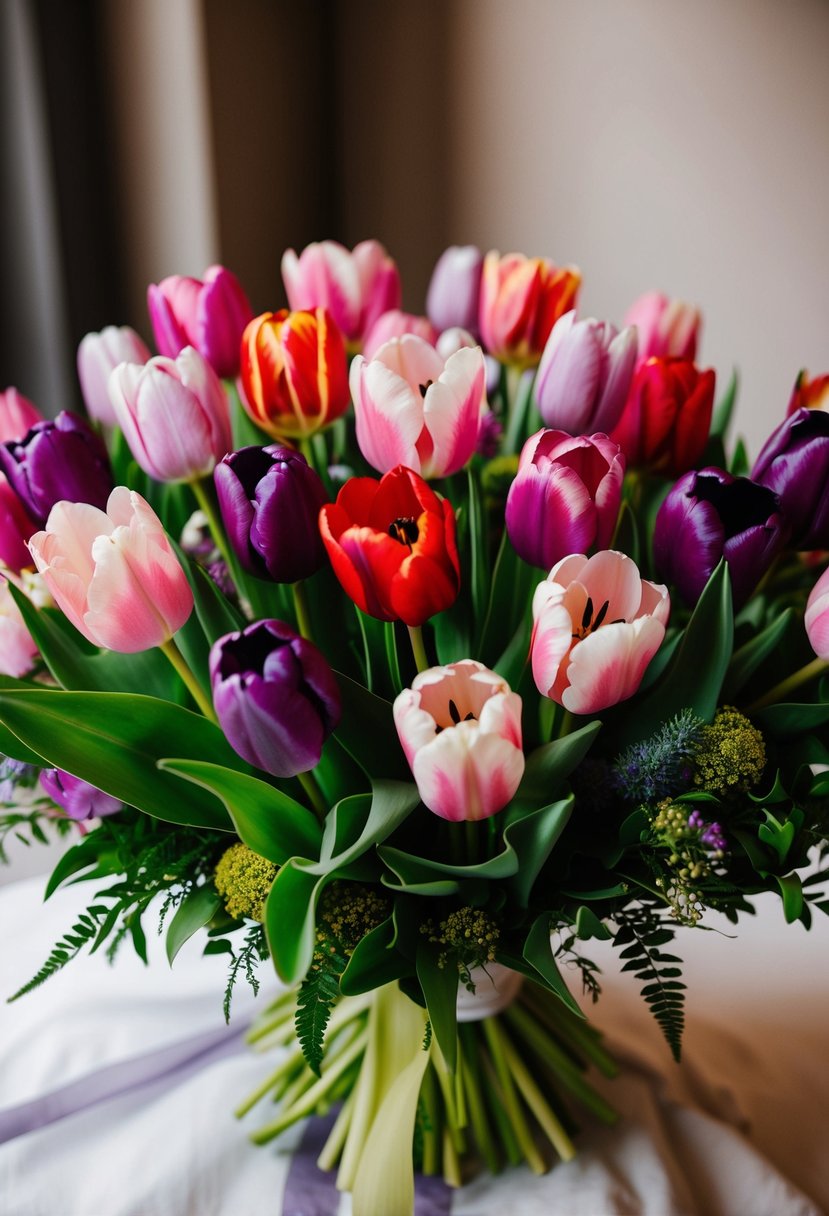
(425, 695)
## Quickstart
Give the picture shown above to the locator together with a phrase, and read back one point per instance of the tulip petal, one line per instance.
(452, 412)
(389, 415)
(607, 666)
(466, 774)
(613, 577)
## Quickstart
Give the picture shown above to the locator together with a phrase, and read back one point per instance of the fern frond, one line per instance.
(315, 1000)
(84, 931)
(246, 960)
(640, 936)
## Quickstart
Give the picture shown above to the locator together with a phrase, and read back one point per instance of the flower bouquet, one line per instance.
(413, 653)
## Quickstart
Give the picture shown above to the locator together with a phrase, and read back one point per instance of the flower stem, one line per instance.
(496, 1040)
(203, 492)
(432, 1128)
(537, 1103)
(303, 617)
(517, 405)
(333, 1146)
(418, 648)
(560, 1064)
(810, 672)
(314, 795)
(474, 1098)
(176, 658)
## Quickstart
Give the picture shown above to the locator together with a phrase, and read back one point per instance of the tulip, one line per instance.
(460, 727)
(76, 798)
(275, 697)
(565, 496)
(174, 415)
(521, 300)
(394, 324)
(584, 375)
(452, 340)
(597, 625)
(817, 617)
(113, 574)
(17, 648)
(210, 316)
(812, 394)
(57, 459)
(794, 463)
(356, 288)
(412, 407)
(17, 415)
(270, 501)
(15, 529)
(666, 328)
(294, 372)
(454, 289)
(98, 356)
(392, 545)
(710, 515)
(666, 420)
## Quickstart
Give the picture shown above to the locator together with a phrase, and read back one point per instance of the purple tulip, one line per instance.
(565, 496)
(454, 288)
(270, 500)
(584, 375)
(794, 463)
(709, 515)
(77, 798)
(59, 459)
(275, 697)
(209, 315)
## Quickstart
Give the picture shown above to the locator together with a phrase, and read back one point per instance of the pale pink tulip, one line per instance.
(98, 356)
(666, 328)
(454, 339)
(460, 727)
(597, 625)
(17, 415)
(355, 287)
(17, 649)
(113, 574)
(416, 409)
(174, 415)
(817, 617)
(394, 324)
(584, 375)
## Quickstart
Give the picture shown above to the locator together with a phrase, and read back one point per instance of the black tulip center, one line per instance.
(424, 388)
(404, 530)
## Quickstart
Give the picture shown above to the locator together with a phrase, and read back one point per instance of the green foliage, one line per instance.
(245, 960)
(85, 930)
(641, 934)
(317, 995)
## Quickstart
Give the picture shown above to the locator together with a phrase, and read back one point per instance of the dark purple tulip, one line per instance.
(77, 798)
(452, 299)
(708, 515)
(794, 463)
(58, 459)
(275, 697)
(270, 500)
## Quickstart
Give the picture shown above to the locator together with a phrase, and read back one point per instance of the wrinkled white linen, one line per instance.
(738, 1130)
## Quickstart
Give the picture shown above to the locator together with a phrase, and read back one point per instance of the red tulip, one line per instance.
(521, 300)
(667, 417)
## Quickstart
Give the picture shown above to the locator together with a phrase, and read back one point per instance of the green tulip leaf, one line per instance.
(290, 919)
(789, 721)
(725, 407)
(367, 732)
(440, 990)
(532, 839)
(791, 892)
(754, 653)
(374, 962)
(626, 535)
(588, 925)
(552, 763)
(538, 952)
(197, 908)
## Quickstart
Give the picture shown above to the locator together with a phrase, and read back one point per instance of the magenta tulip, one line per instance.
(416, 409)
(817, 617)
(394, 324)
(210, 316)
(114, 573)
(355, 287)
(17, 415)
(666, 328)
(460, 727)
(597, 625)
(584, 375)
(98, 356)
(15, 529)
(174, 415)
(77, 798)
(17, 649)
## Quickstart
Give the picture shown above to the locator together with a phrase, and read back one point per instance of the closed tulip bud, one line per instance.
(354, 287)
(275, 697)
(597, 625)
(210, 316)
(794, 463)
(174, 415)
(114, 573)
(294, 372)
(665, 328)
(817, 617)
(395, 324)
(809, 393)
(565, 497)
(270, 501)
(15, 529)
(460, 727)
(57, 459)
(17, 648)
(584, 375)
(454, 289)
(665, 423)
(521, 300)
(76, 798)
(710, 515)
(98, 356)
(17, 415)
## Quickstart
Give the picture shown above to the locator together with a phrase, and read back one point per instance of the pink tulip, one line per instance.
(597, 625)
(15, 529)
(210, 316)
(454, 339)
(394, 324)
(17, 415)
(113, 574)
(666, 328)
(98, 356)
(460, 727)
(355, 287)
(174, 415)
(416, 409)
(17, 649)
(584, 375)
(817, 617)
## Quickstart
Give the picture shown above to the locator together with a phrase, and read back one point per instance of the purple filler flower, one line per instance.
(794, 463)
(77, 798)
(58, 459)
(710, 834)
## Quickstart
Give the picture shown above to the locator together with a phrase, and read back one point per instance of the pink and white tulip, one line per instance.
(417, 409)
(98, 356)
(460, 727)
(17, 415)
(597, 625)
(17, 648)
(113, 573)
(210, 316)
(666, 328)
(356, 287)
(174, 414)
(584, 375)
(394, 324)
(817, 617)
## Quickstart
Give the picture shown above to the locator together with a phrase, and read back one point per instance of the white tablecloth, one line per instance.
(126, 1078)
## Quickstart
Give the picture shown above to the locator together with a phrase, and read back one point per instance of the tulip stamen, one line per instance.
(589, 624)
(424, 388)
(404, 530)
